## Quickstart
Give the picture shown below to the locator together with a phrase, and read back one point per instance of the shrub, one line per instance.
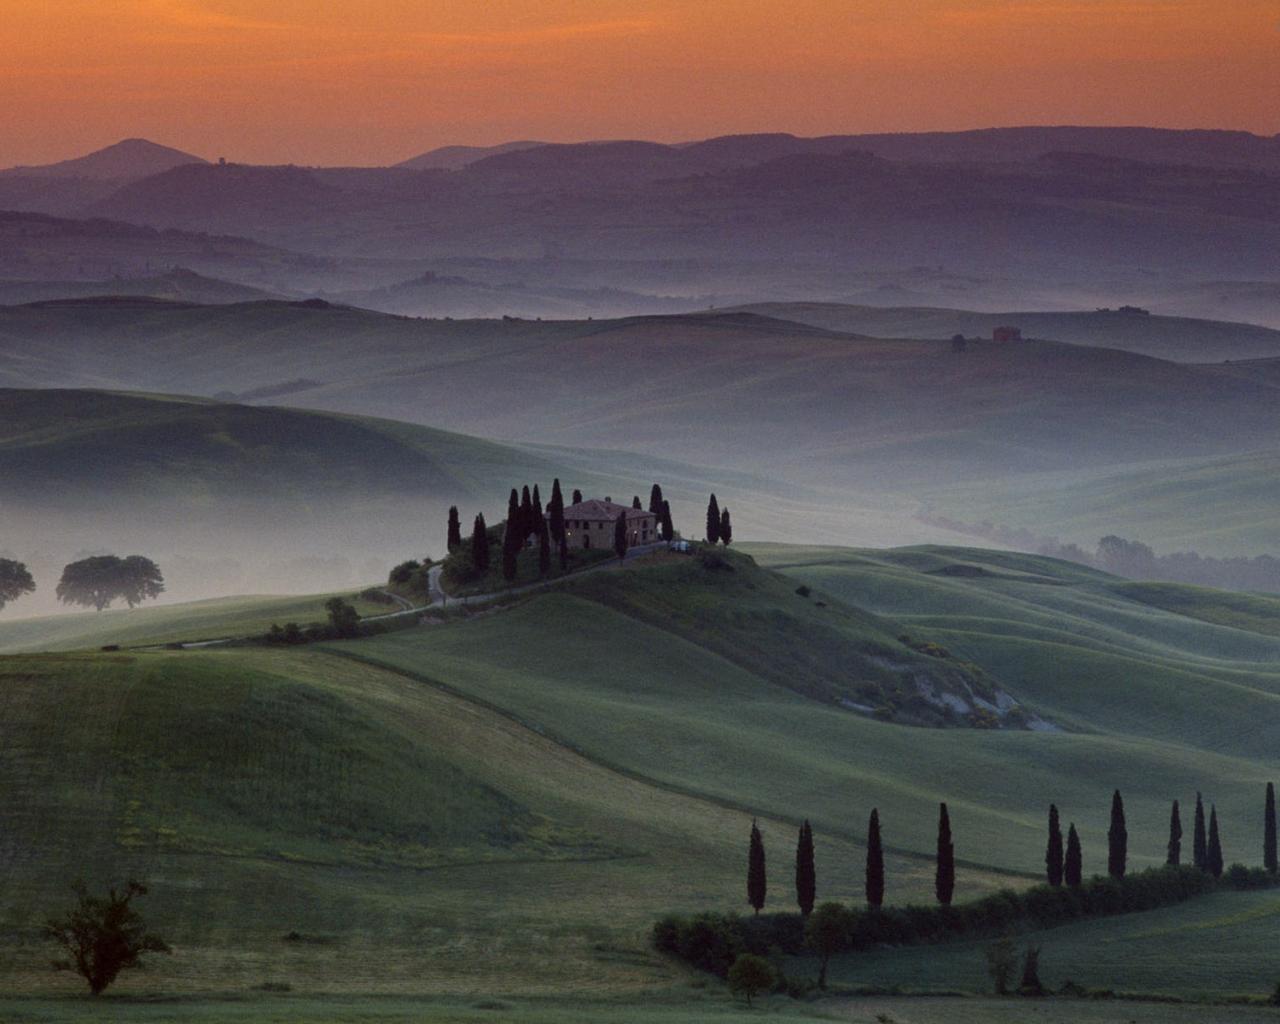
(1001, 963)
(751, 975)
(1030, 984)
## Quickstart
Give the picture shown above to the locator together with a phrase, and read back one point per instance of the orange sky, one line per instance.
(375, 81)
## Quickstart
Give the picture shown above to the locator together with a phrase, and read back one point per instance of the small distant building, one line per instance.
(589, 525)
(1007, 334)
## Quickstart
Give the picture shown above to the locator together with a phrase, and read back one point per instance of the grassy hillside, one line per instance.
(1181, 339)
(186, 622)
(503, 804)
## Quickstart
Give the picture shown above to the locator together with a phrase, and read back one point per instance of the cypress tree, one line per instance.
(756, 884)
(544, 550)
(875, 862)
(555, 512)
(655, 500)
(1269, 831)
(944, 882)
(713, 521)
(509, 561)
(635, 503)
(539, 516)
(526, 516)
(1175, 837)
(479, 545)
(1214, 854)
(564, 554)
(1073, 865)
(1117, 839)
(620, 535)
(513, 512)
(455, 530)
(1200, 846)
(1053, 852)
(668, 530)
(726, 528)
(806, 875)
(577, 496)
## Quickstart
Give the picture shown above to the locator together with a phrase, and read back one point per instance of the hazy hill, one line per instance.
(35, 247)
(1181, 339)
(453, 158)
(179, 285)
(736, 390)
(125, 160)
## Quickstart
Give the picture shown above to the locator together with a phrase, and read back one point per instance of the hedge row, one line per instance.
(711, 942)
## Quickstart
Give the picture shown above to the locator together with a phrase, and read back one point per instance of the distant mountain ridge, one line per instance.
(125, 160)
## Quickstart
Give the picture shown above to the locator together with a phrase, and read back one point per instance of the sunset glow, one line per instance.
(379, 81)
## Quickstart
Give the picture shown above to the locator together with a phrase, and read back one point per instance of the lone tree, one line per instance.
(1200, 844)
(1031, 984)
(98, 581)
(713, 521)
(756, 884)
(875, 862)
(343, 618)
(1053, 851)
(620, 535)
(806, 873)
(480, 545)
(655, 500)
(1269, 831)
(15, 581)
(1073, 864)
(944, 882)
(959, 343)
(454, 540)
(1213, 857)
(1175, 837)
(1002, 961)
(555, 513)
(826, 933)
(103, 935)
(726, 528)
(668, 530)
(751, 975)
(1117, 839)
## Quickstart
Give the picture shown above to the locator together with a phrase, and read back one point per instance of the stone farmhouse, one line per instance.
(590, 524)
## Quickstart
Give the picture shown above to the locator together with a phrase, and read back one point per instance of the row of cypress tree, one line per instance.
(1064, 860)
(806, 870)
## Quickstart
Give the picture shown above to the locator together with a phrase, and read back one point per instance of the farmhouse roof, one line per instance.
(595, 509)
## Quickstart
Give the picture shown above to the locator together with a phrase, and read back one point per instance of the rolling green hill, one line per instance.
(540, 782)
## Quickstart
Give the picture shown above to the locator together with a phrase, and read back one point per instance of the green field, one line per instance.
(190, 622)
(499, 807)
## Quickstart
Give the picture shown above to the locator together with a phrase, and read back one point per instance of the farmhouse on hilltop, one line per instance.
(590, 524)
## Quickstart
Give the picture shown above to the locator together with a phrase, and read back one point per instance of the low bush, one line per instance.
(712, 942)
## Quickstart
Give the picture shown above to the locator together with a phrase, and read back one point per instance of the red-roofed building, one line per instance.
(589, 525)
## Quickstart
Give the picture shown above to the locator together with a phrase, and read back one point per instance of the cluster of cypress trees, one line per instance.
(1206, 849)
(806, 868)
(1064, 860)
(526, 517)
(719, 526)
